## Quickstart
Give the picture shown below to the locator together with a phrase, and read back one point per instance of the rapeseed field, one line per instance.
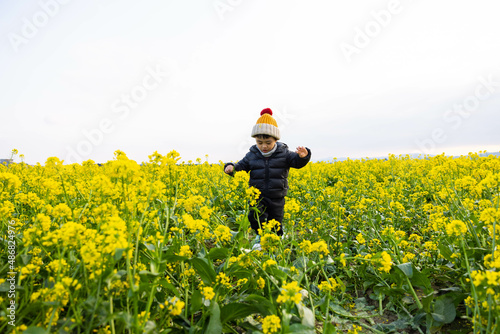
(370, 246)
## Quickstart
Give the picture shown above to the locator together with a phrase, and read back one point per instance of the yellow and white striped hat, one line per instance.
(266, 125)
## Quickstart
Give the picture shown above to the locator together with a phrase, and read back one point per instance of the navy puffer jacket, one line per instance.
(269, 175)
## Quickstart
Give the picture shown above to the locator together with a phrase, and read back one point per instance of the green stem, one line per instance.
(373, 330)
(151, 296)
(112, 321)
(473, 288)
(309, 294)
(417, 300)
(380, 308)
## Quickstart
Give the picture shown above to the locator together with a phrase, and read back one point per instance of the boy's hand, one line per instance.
(229, 169)
(302, 151)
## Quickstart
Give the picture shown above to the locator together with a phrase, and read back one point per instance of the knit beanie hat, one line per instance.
(266, 125)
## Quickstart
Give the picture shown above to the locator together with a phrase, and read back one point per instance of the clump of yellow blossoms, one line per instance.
(106, 226)
(491, 261)
(252, 195)
(268, 263)
(192, 203)
(271, 324)
(355, 329)
(456, 228)
(329, 286)
(174, 306)
(269, 227)
(261, 283)
(223, 280)
(321, 247)
(290, 292)
(222, 234)
(208, 292)
(385, 262)
(198, 227)
(269, 241)
(185, 251)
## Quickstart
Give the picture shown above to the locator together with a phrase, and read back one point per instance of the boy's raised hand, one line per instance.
(229, 169)
(302, 151)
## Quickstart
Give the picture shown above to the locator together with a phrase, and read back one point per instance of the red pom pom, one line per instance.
(266, 111)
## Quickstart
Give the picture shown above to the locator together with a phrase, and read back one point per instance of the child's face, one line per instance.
(265, 145)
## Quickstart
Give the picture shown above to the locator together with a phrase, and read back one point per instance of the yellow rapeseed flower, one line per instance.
(360, 239)
(223, 280)
(492, 262)
(208, 292)
(205, 212)
(328, 286)
(342, 259)
(223, 234)
(408, 257)
(269, 241)
(175, 306)
(386, 262)
(185, 251)
(62, 211)
(261, 283)
(355, 329)
(268, 263)
(271, 324)
(252, 195)
(290, 292)
(456, 228)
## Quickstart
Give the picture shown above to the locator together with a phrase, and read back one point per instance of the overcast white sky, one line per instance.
(81, 79)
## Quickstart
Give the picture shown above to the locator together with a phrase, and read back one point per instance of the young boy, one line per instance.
(268, 163)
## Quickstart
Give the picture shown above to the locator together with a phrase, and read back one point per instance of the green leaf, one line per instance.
(164, 283)
(120, 273)
(476, 252)
(306, 315)
(215, 325)
(416, 277)
(421, 280)
(147, 273)
(349, 274)
(264, 305)
(329, 328)
(237, 235)
(4, 287)
(438, 317)
(196, 301)
(174, 258)
(35, 330)
(451, 289)
(445, 251)
(218, 253)
(205, 270)
(150, 327)
(234, 311)
(406, 268)
(26, 258)
(301, 329)
(119, 253)
(278, 273)
(73, 257)
(339, 310)
(444, 309)
(125, 317)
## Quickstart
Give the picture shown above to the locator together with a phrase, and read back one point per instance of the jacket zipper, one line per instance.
(266, 180)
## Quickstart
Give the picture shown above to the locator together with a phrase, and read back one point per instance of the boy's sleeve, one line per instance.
(239, 166)
(243, 164)
(295, 161)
